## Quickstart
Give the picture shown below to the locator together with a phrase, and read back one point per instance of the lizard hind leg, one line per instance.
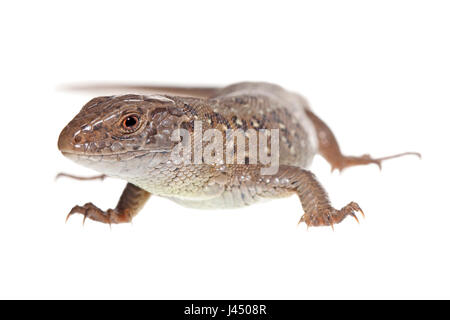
(317, 208)
(329, 149)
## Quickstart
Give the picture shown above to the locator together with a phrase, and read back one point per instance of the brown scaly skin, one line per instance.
(128, 137)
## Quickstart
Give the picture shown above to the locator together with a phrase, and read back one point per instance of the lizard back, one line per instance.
(250, 105)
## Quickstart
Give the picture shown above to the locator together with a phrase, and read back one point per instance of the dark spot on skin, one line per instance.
(212, 118)
(77, 139)
(189, 126)
(247, 160)
(184, 125)
(221, 120)
(190, 109)
(244, 125)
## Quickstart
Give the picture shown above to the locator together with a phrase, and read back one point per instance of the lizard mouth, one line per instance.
(115, 156)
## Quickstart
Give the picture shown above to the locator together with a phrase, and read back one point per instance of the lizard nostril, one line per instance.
(77, 139)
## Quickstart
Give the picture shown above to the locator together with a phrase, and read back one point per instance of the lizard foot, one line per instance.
(349, 161)
(94, 213)
(329, 216)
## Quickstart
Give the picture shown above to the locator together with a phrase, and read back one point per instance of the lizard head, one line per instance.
(109, 132)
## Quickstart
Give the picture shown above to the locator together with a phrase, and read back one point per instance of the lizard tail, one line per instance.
(122, 88)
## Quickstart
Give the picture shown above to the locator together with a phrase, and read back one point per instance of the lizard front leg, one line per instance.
(130, 203)
(317, 208)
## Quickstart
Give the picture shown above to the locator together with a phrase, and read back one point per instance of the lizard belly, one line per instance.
(234, 197)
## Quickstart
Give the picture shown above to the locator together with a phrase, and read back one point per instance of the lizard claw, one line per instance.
(94, 213)
(329, 216)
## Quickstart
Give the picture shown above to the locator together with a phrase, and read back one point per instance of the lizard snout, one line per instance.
(70, 141)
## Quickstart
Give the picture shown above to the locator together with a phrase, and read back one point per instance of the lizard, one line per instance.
(128, 136)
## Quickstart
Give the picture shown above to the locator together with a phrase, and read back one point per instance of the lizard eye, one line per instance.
(130, 122)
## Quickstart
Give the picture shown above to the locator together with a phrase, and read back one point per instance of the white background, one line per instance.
(378, 72)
